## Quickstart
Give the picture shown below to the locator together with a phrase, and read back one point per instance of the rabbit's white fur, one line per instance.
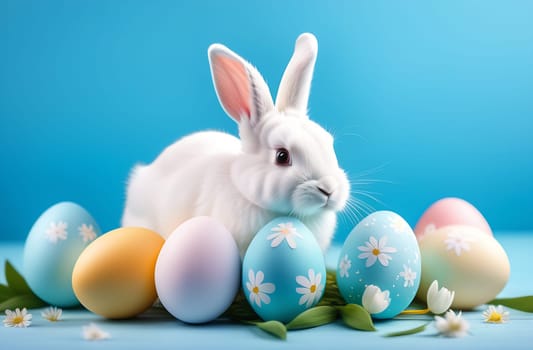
(238, 181)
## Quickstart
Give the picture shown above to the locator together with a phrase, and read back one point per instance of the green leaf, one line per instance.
(520, 303)
(355, 316)
(15, 281)
(5, 293)
(408, 331)
(275, 328)
(314, 317)
(29, 301)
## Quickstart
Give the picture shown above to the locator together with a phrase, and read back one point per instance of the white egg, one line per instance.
(198, 270)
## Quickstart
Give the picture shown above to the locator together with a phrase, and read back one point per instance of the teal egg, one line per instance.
(381, 251)
(284, 272)
(52, 247)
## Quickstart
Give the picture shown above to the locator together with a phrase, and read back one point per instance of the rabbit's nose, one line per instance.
(326, 193)
(327, 185)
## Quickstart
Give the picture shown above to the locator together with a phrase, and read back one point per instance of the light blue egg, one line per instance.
(382, 251)
(283, 272)
(52, 247)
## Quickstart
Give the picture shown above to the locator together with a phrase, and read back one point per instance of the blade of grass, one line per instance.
(415, 330)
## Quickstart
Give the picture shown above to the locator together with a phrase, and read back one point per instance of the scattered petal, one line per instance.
(93, 332)
(452, 325)
(52, 314)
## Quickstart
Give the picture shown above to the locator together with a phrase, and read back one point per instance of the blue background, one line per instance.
(426, 99)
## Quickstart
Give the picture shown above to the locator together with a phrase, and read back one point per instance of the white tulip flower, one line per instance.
(375, 300)
(439, 300)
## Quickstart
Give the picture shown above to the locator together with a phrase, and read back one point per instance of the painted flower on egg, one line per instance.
(457, 243)
(398, 224)
(87, 232)
(284, 231)
(344, 266)
(57, 231)
(375, 250)
(258, 290)
(312, 288)
(409, 276)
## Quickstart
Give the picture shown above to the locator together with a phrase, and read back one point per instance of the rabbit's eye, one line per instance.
(283, 157)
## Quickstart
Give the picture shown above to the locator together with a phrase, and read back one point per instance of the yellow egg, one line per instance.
(466, 260)
(114, 275)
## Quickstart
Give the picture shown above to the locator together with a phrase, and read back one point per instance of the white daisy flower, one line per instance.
(57, 231)
(87, 232)
(374, 250)
(93, 332)
(452, 325)
(312, 288)
(258, 290)
(344, 266)
(496, 314)
(439, 300)
(284, 231)
(18, 318)
(52, 314)
(457, 243)
(374, 300)
(409, 276)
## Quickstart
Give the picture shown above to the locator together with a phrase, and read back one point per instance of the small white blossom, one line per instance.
(344, 266)
(57, 231)
(52, 314)
(452, 325)
(398, 224)
(430, 228)
(18, 318)
(439, 300)
(93, 332)
(457, 243)
(375, 300)
(409, 276)
(87, 232)
(496, 314)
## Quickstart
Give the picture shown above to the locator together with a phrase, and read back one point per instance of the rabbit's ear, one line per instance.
(295, 85)
(240, 88)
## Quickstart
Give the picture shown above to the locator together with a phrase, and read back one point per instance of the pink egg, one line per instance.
(450, 211)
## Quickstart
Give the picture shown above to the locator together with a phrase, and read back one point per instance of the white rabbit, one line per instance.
(283, 164)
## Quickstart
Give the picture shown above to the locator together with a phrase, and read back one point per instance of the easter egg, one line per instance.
(114, 275)
(450, 211)
(52, 247)
(380, 255)
(466, 260)
(198, 270)
(283, 272)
